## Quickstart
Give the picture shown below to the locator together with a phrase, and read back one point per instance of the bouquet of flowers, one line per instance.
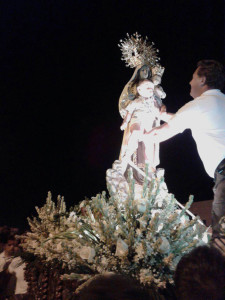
(142, 235)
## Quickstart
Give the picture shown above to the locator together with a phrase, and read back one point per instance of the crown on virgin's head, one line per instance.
(137, 50)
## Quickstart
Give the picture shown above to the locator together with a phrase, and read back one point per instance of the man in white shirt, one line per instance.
(17, 267)
(205, 116)
(7, 282)
(12, 282)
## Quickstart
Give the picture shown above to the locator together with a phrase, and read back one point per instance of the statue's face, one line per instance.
(145, 89)
(144, 72)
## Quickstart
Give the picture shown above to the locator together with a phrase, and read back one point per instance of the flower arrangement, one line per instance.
(143, 235)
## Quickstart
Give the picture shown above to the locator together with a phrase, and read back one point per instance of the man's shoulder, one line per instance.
(211, 100)
(212, 94)
(191, 105)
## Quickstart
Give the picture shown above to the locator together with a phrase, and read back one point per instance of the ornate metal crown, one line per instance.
(136, 51)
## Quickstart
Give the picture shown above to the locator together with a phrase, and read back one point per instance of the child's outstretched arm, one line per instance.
(126, 121)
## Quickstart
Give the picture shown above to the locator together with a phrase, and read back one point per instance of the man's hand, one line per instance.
(160, 134)
(151, 136)
(152, 132)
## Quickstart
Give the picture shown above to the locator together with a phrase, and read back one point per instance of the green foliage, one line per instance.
(144, 235)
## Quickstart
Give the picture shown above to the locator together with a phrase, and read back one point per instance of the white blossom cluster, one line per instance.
(143, 236)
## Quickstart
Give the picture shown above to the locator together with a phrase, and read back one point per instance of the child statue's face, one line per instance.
(146, 88)
(156, 79)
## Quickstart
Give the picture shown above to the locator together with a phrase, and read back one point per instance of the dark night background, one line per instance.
(61, 77)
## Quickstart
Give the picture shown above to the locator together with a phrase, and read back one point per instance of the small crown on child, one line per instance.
(158, 70)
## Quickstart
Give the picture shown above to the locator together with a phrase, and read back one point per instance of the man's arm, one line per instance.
(161, 133)
(165, 116)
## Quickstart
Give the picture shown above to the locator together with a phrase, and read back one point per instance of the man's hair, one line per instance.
(115, 287)
(200, 275)
(213, 72)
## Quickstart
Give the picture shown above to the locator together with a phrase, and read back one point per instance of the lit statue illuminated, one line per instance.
(140, 105)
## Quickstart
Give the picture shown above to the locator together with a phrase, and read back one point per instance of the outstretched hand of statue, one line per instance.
(123, 126)
(126, 121)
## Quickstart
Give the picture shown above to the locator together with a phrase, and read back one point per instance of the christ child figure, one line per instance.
(142, 114)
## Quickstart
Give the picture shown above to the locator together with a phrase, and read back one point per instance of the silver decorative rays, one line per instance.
(138, 51)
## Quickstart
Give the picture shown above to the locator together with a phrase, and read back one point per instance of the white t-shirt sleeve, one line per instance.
(185, 117)
(2, 263)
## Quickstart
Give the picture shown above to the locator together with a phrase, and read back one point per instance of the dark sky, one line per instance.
(61, 77)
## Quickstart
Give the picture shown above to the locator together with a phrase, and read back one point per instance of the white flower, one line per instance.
(138, 231)
(140, 252)
(184, 218)
(165, 245)
(34, 244)
(175, 262)
(87, 253)
(121, 248)
(83, 203)
(146, 276)
(100, 269)
(104, 261)
(155, 211)
(205, 237)
(160, 199)
(141, 206)
(159, 227)
(160, 173)
(143, 222)
(149, 249)
(72, 217)
(59, 247)
(118, 231)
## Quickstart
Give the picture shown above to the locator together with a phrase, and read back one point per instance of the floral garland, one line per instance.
(144, 235)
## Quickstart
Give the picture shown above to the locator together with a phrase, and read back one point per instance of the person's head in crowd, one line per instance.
(5, 232)
(200, 275)
(113, 287)
(11, 246)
